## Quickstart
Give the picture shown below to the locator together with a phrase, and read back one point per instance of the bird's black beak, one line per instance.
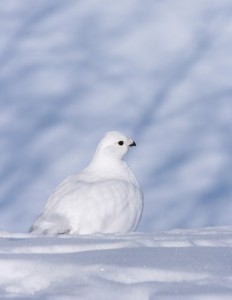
(133, 144)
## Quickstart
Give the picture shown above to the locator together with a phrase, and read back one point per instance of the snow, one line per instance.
(176, 264)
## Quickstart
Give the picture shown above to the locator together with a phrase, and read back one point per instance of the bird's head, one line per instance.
(114, 145)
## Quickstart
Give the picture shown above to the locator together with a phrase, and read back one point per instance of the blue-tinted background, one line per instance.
(159, 71)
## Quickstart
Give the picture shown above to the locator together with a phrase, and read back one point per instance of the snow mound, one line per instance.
(178, 264)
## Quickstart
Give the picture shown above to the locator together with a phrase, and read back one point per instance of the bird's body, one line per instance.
(104, 198)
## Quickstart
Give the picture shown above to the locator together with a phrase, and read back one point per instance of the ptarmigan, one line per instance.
(103, 198)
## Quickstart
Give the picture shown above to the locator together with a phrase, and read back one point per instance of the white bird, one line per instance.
(103, 198)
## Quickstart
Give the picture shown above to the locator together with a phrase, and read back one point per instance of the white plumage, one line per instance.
(103, 198)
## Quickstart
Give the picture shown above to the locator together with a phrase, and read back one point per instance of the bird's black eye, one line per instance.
(120, 143)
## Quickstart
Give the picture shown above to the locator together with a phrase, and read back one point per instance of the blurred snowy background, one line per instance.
(159, 71)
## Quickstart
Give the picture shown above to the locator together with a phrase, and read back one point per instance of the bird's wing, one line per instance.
(65, 188)
(51, 220)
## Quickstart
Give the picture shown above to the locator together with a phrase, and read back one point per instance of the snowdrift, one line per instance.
(178, 264)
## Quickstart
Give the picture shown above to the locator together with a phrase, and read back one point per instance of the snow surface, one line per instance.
(177, 264)
(159, 71)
